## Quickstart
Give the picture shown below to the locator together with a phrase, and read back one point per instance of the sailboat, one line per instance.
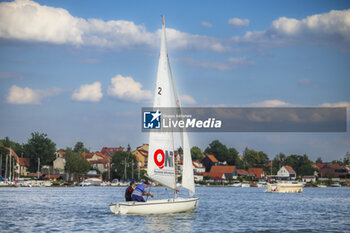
(161, 163)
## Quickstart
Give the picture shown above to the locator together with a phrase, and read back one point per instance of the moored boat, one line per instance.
(262, 184)
(285, 187)
(336, 185)
(236, 184)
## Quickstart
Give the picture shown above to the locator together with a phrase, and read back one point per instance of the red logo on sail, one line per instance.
(159, 158)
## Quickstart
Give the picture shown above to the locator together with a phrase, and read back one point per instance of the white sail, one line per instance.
(161, 166)
(187, 172)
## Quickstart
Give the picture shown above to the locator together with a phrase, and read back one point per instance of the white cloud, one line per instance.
(18, 95)
(206, 24)
(271, 103)
(328, 28)
(187, 99)
(88, 92)
(127, 88)
(231, 64)
(237, 22)
(338, 105)
(182, 40)
(29, 21)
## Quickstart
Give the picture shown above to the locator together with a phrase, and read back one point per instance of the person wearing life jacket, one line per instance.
(129, 191)
(140, 191)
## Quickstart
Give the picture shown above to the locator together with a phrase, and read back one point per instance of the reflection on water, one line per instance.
(167, 223)
(220, 209)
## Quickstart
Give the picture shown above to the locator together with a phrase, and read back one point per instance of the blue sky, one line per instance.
(82, 70)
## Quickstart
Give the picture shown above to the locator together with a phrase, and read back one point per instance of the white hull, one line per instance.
(164, 206)
(261, 184)
(285, 188)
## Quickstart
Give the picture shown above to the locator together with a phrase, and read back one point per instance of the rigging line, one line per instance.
(149, 191)
(167, 193)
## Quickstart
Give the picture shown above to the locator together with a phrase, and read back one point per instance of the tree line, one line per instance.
(259, 159)
(124, 165)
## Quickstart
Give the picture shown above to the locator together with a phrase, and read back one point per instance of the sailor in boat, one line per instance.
(140, 191)
(129, 191)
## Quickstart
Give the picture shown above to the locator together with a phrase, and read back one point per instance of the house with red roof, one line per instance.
(333, 170)
(330, 170)
(22, 164)
(208, 161)
(98, 160)
(242, 173)
(257, 173)
(141, 155)
(222, 172)
(111, 150)
(287, 173)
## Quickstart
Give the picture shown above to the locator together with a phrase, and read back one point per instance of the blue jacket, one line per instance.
(139, 190)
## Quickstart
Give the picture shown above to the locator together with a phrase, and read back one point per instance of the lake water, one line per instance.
(221, 209)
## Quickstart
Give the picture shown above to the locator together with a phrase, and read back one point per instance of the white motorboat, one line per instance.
(261, 184)
(337, 185)
(236, 184)
(285, 187)
(245, 184)
(91, 182)
(161, 164)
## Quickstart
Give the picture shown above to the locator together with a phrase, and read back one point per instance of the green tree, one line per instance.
(18, 148)
(278, 162)
(302, 165)
(196, 153)
(346, 160)
(75, 163)
(79, 148)
(3, 153)
(219, 150)
(319, 160)
(234, 156)
(252, 158)
(39, 147)
(123, 161)
(7, 142)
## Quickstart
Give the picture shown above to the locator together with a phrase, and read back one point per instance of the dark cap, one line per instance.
(146, 182)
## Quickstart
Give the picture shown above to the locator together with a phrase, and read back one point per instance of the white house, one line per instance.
(198, 170)
(59, 162)
(287, 173)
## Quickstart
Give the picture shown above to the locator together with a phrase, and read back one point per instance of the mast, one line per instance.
(7, 158)
(125, 168)
(174, 91)
(38, 167)
(10, 176)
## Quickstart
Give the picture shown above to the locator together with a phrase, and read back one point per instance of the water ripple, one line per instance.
(85, 209)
